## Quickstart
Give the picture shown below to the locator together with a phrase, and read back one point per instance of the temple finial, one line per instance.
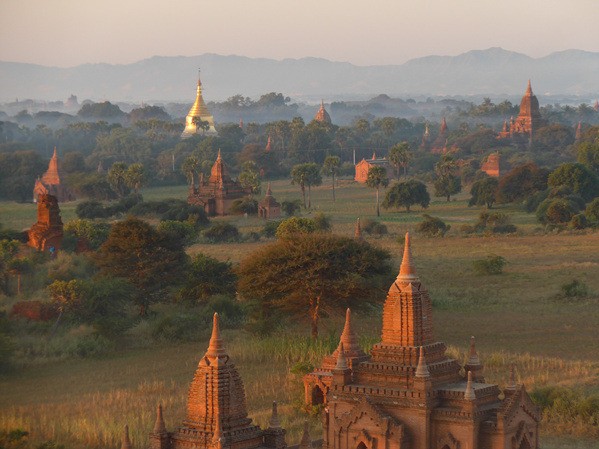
(159, 426)
(512, 383)
(469, 394)
(341, 360)
(473, 358)
(54, 155)
(529, 88)
(126, 442)
(216, 347)
(422, 368)
(306, 442)
(274, 422)
(407, 270)
(218, 156)
(358, 232)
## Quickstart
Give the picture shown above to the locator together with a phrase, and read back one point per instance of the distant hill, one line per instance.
(479, 72)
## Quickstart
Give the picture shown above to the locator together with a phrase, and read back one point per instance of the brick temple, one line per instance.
(364, 166)
(322, 115)
(408, 394)
(216, 415)
(217, 194)
(529, 119)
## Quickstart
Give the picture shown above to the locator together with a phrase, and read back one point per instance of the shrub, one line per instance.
(184, 232)
(574, 290)
(91, 209)
(567, 404)
(295, 225)
(578, 221)
(322, 222)
(245, 206)
(592, 211)
(290, 208)
(556, 211)
(432, 226)
(222, 233)
(374, 227)
(124, 204)
(270, 228)
(492, 264)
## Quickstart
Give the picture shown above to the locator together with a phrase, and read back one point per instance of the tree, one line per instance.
(406, 194)
(8, 251)
(135, 176)
(19, 266)
(447, 183)
(576, 176)
(200, 124)
(330, 167)
(521, 182)
(484, 192)
(400, 156)
(148, 259)
(377, 178)
(588, 154)
(191, 165)
(293, 226)
(306, 175)
(312, 274)
(206, 277)
(249, 178)
(117, 177)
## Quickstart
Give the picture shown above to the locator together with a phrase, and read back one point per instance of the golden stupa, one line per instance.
(198, 111)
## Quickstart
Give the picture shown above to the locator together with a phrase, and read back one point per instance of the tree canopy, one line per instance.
(314, 274)
(484, 192)
(406, 194)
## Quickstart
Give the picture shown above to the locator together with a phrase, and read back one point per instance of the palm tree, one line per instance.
(330, 167)
(377, 177)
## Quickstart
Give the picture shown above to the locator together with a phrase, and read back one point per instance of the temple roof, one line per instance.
(219, 173)
(322, 115)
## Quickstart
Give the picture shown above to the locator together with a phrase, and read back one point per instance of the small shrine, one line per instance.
(491, 165)
(269, 208)
(364, 166)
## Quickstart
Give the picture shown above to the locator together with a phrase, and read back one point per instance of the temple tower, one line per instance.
(529, 119)
(269, 208)
(198, 112)
(46, 234)
(217, 415)
(440, 143)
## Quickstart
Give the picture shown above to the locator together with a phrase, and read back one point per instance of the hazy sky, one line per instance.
(72, 32)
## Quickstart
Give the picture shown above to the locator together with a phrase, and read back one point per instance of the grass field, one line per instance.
(515, 316)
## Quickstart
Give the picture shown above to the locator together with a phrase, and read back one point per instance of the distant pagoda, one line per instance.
(198, 112)
(322, 115)
(529, 119)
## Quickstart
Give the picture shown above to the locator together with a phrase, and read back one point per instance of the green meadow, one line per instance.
(517, 317)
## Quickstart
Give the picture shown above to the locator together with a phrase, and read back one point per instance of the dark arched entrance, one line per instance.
(317, 396)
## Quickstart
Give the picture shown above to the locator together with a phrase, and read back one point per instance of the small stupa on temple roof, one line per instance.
(198, 112)
(217, 415)
(322, 115)
(407, 393)
(51, 183)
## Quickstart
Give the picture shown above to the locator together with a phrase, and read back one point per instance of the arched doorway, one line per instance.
(361, 446)
(317, 396)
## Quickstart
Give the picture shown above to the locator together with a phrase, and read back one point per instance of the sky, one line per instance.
(66, 33)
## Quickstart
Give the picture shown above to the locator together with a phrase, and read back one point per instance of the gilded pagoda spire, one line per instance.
(198, 111)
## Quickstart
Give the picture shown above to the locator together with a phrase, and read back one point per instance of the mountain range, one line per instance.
(494, 72)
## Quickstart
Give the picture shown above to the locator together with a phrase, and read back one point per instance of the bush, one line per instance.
(91, 209)
(270, 228)
(180, 327)
(578, 221)
(492, 264)
(556, 211)
(290, 208)
(592, 211)
(566, 404)
(244, 206)
(295, 225)
(124, 204)
(432, 226)
(372, 227)
(184, 232)
(574, 290)
(222, 233)
(322, 222)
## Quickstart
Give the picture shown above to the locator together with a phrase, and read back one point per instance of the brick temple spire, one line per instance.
(474, 364)
(422, 368)
(407, 313)
(159, 427)
(126, 442)
(469, 394)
